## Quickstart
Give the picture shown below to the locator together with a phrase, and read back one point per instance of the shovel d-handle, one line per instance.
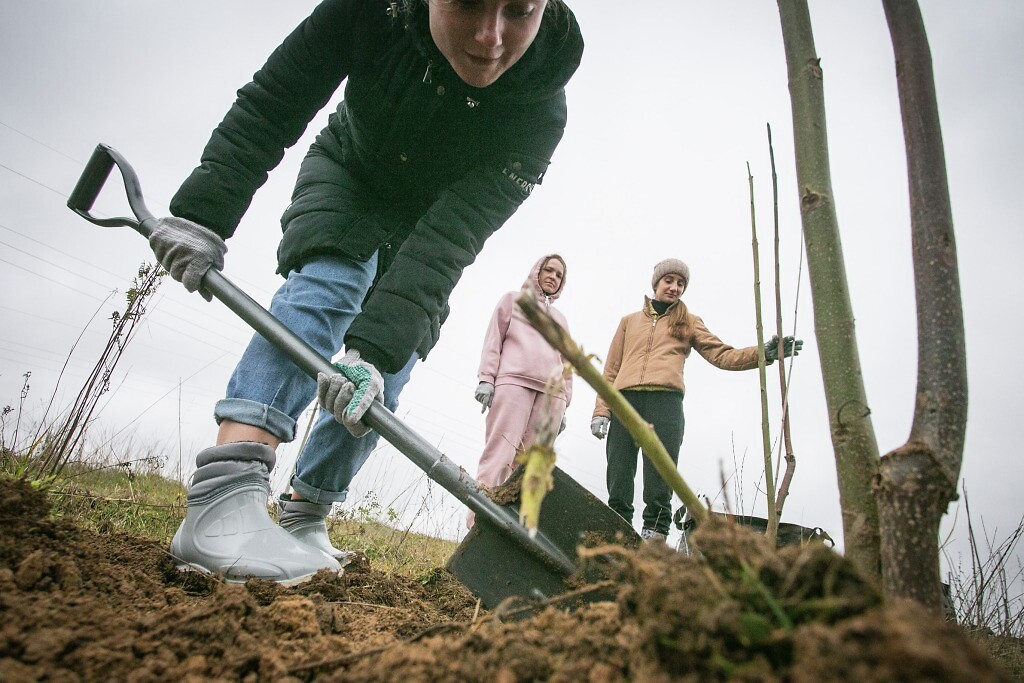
(439, 468)
(92, 180)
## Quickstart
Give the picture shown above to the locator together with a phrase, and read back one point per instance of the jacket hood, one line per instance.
(545, 67)
(533, 281)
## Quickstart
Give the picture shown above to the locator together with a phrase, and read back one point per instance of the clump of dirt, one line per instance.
(80, 606)
(508, 492)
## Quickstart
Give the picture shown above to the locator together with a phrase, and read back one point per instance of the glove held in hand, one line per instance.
(484, 394)
(187, 250)
(348, 393)
(790, 345)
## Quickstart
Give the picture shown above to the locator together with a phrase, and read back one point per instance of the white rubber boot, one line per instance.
(307, 522)
(227, 529)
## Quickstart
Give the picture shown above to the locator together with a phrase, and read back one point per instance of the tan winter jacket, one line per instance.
(644, 354)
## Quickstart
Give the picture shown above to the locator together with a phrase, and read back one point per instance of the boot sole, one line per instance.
(186, 568)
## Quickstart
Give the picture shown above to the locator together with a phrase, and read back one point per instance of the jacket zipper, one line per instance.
(650, 345)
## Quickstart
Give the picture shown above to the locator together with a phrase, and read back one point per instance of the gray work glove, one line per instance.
(187, 250)
(599, 426)
(349, 393)
(484, 394)
(790, 347)
(561, 427)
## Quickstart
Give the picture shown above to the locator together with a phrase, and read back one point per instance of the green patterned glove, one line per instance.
(348, 393)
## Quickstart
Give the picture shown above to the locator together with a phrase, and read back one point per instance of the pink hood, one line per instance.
(533, 281)
(514, 352)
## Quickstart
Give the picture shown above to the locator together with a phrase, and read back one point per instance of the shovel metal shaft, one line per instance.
(437, 467)
(424, 455)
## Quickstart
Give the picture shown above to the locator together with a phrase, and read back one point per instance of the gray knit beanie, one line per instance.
(670, 265)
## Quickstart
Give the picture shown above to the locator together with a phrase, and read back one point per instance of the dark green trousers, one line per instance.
(664, 410)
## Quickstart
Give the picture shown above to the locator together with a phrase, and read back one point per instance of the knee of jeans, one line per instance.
(331, 281)
(257, 415)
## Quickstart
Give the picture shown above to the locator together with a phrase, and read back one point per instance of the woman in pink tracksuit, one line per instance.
(515, 366)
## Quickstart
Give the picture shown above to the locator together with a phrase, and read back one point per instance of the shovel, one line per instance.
(499, 558)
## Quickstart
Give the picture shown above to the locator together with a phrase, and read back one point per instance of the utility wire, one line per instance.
(63, 195)
(139, 345)
(204, 342)
(56, 265)
(120, 276)
(52, 281)
(62, 253)
(140, 382)
(42, 144)
(162, 397)
(461, 435)
(33, 180)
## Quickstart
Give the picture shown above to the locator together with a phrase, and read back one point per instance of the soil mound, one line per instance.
(78, 606)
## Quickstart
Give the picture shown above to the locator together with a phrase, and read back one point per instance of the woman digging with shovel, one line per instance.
(645, 362)
(452, 111)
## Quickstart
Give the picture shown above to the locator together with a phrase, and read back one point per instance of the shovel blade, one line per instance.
(495, 566)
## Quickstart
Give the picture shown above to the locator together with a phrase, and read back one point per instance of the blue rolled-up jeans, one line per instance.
(267, 390)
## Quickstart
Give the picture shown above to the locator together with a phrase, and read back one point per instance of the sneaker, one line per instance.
(652, 536)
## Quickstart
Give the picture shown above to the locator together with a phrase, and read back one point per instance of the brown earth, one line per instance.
(78, 606)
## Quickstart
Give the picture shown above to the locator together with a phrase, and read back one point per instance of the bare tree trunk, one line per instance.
(917, 481)
(853, 436)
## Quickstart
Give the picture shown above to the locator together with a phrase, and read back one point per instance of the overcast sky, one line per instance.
(668, 107)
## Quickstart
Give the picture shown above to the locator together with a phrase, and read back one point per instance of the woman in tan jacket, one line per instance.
(645, 362)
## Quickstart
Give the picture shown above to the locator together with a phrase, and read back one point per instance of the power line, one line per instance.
(62, 253)
(140, 382)
(62, 354)
(50, 280)
(33, 180)
(450, 433)
(65, 196)
(68, 270)
(51, 263)
(41, 143)
(165, 395)
(204, 342)
(119, 276)
(191, 323)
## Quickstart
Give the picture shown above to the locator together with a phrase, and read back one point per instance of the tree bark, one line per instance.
(917, 482)
(853, 437)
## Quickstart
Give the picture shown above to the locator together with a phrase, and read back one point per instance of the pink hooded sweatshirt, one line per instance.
(514, 352)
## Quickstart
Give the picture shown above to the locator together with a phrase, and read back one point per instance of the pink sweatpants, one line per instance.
(511, 424)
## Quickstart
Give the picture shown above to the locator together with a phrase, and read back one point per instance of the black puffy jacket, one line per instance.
(413, 160)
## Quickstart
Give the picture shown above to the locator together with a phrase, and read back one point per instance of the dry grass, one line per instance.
(391, 550)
